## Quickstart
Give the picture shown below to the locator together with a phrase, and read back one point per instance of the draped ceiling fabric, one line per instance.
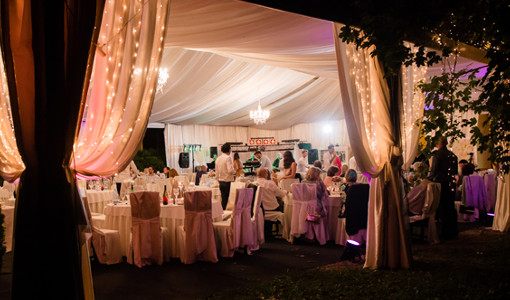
(224, 56)
(210, 135)
(122, 88)
(11, 164)
(375, 143)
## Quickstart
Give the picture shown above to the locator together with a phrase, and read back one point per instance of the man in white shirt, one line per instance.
(264, 160)
(353, 165)
(225, 173)
(302, 163)
(270, 192)
(328, 157)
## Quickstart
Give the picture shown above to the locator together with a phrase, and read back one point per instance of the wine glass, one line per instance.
(176, 193)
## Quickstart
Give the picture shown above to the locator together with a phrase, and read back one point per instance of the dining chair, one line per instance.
(286, 184)
(195, 238)
(232, 196)
(303, 208)
(181, 178)
(237, 231)
(105, 242)
(147, 236)
(356, 212)
(257, 221)
(428, 217)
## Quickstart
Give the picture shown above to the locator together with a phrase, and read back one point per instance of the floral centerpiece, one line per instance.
(336, 179)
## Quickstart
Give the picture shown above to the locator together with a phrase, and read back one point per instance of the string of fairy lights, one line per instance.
(10, 159)
(123, 83)
(413, 101)
(360, 64)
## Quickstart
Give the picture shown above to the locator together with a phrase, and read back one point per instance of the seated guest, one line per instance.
(172, 173)
(332, 172)
(202, 171)
(462, 163)
(271, 192)
(151, 177)
(350, 178)
(166, 172)
(290, 166)
(314, 176)
(344, 170)
(318, 164)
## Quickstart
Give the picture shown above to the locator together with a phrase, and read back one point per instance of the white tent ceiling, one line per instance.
(224, 56)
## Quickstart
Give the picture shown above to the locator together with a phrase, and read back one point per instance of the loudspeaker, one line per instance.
(313, 155)
(305, 146)
(214, 151)
(184, 160)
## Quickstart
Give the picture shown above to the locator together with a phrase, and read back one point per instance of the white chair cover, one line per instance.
(106, 242)
(138, 188)
(196, 238)
(257, 221)
(305, 202)
(432, 199)
(232, 196)
(237, 231)
(286, 184)
(11, 187)
(147, 240)
(473, 192)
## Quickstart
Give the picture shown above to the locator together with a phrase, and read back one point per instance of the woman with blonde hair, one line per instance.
(313, 175)
(238, 166)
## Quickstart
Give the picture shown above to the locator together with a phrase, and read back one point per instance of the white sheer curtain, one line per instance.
(373, 140)
(122, 88)
(11, 164)
(412, 111)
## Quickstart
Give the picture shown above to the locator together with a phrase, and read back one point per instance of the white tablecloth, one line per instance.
(118, 217)
(98, 199)
(336, 226)
(8, 212)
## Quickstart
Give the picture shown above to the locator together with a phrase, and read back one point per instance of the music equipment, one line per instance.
(184, 160)
(313, 155)
(214, 151)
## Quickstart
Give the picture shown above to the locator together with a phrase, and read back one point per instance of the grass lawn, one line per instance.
(476, 265)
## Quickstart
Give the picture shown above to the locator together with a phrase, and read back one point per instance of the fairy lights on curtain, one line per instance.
(413, 105)
(360, 61)
(123, 85)
(11, 164)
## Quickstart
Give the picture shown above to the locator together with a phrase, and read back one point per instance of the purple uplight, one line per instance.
(490, 214)
(353, 242)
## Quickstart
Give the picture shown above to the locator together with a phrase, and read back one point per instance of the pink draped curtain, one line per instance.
(122, 88)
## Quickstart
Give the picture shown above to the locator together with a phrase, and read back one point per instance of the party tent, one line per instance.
(225, 57)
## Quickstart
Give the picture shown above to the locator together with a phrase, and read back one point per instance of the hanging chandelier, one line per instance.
(259, 116)
(162, 79)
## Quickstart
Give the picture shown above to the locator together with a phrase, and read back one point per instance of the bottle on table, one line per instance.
(165, 196)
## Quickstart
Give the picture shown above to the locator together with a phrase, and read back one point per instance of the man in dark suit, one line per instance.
(443, 170)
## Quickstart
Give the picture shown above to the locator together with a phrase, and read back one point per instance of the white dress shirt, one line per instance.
(225, 168)
(326, 158)
(301, 165)
(271, 191)
(266, 163)
(353, 165)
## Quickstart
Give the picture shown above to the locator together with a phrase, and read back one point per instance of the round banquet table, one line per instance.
(118, 217)
(98, 199)
(336, 226)
(8, 212)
